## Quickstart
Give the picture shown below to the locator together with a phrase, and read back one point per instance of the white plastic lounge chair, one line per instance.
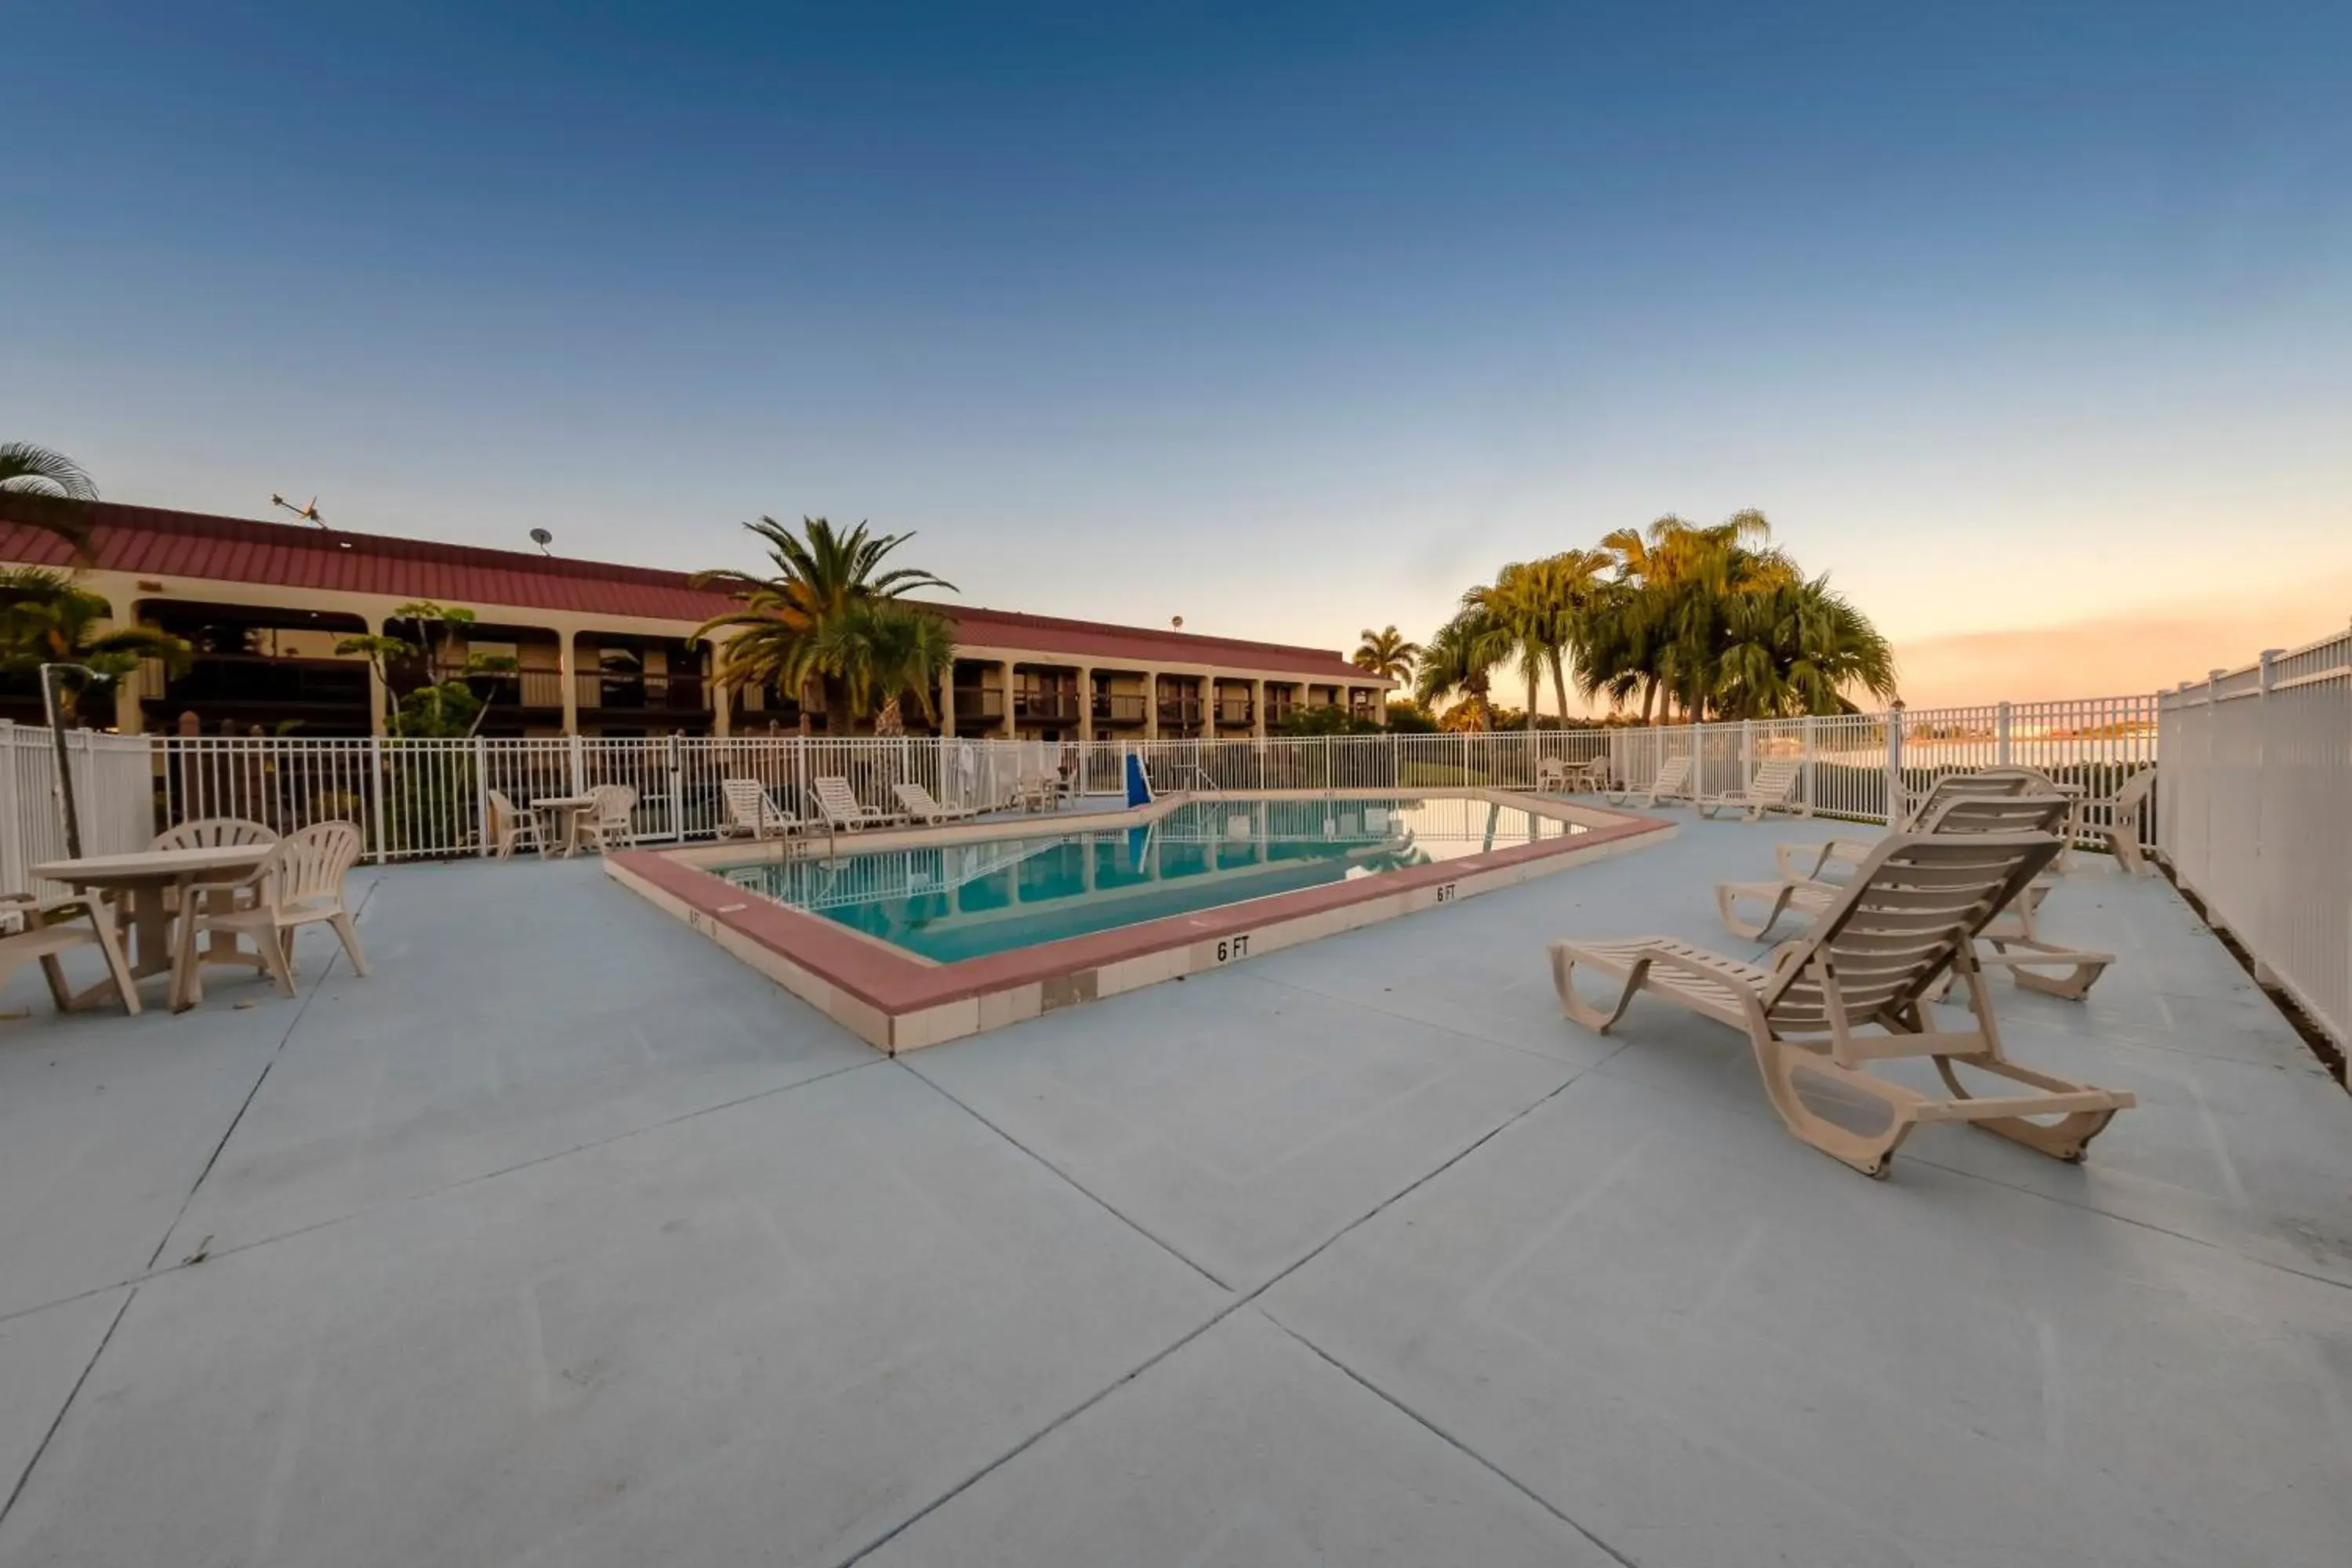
(511, 828)
(1806, 862)
(923, 808)
(842, 809)
(44, 929)
(751, 809)
(1672, 782)
(2116, 819)
(300, 884)
(1770, 790)
(1909, 916)
(608, 822)
(2015, 926)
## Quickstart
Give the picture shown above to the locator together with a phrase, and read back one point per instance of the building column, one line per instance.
(1011, 730)
(568, 663)
(1151, 705)
(947, 700)
(722, 697)
(1086, 706)
(1257, 708)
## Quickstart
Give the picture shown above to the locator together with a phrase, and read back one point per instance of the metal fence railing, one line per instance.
(112, 791)
(2255, 802)
(416, 799)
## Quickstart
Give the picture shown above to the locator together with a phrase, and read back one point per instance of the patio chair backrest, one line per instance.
(1774, 779)
(833, 793)
(1952, 786)
(2134, 795)
(502, 810)
(215, 833)
(613, 804)
(748, 804)
(309, 864)
(917, 799)
(1911, 908)
(1999, 813)
(1674, 775)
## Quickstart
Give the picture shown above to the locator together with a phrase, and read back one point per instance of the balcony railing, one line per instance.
(1118, 708)
(261, 680)
(1232, 710)
(1046, 707)
(506, 688)
(978, 702)
(1180, 710)
(649, 693)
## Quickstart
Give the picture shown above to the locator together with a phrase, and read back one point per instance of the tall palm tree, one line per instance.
(1460, 657)
(1660, 627)
(55, 490)
(884, 650)
(1513, 607)
(1387, 653)
(820, 573)
(45, 619)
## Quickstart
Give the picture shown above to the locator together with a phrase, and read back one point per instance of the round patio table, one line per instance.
(561, 821)
(141, 881)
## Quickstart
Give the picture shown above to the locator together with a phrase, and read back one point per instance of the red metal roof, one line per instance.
(151, 541)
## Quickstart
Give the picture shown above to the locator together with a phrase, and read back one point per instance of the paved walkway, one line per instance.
(566, 1240)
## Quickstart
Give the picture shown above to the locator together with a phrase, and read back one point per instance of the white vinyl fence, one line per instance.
(114, 789)
(2255, 802)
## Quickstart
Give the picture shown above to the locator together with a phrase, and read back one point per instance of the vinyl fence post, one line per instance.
(1812, 764)
(11, 820)
(1747, 752)
(1894, 763)
(677, 790)
(2265, 878)
(482, 797)
(2001, 721)
(377, 785)
(575, 782)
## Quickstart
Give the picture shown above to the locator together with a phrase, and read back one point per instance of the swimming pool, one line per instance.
(953, 901)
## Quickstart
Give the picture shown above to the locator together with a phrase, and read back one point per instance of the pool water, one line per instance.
(953, 901)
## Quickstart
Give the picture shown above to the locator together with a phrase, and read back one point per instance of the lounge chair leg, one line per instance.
(1727, 904)
(343, 929)
(2082, 969)
(2067, 1139)
(55, 973)
(1563, 970)
(1869, 1152)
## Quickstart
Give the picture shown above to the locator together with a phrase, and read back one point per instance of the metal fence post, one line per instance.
(676, 791)
(1747, 753)
(577, 781)
(377, 785)
(482, 795)
(1894, 763)
(2000, 720)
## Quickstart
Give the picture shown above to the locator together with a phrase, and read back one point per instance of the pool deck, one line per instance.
(568, 1239)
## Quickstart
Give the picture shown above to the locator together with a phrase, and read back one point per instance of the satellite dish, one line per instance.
(542, 538)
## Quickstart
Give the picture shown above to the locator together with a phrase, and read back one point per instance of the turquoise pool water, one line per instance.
(964, 900)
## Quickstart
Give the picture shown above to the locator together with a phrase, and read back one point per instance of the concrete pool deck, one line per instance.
(566, 1239)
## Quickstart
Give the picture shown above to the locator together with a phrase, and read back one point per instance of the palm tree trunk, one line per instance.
(1559, 684)
(1531, 700)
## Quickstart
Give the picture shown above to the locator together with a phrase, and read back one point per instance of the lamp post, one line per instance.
(57, 740)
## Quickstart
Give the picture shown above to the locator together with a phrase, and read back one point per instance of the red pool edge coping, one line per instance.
(888, 988)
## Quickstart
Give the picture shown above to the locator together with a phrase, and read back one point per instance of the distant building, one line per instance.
(602, 649)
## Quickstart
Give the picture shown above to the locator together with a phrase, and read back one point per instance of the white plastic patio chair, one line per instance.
(2014, 927)
(1770, 790)
(607, 822)
(2117, 819)
(1671, 783)
(512, 827)
(213, 832)
(1806, 862)
(923, 807)
(1036, 791)
(1909, 917)
(45, 928)
(300, 884)
(751, 809)
(842, 808)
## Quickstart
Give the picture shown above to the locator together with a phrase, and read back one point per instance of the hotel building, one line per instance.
(599, 648)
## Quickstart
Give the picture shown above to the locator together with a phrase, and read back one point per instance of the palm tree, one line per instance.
(1386, 653)
(45, 619)
(884, 650)
(820, 572)
(1795, 649)
(1460, 657)
(55, 490)
(1660, 627)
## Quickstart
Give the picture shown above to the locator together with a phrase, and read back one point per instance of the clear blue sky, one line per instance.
(1283, 319)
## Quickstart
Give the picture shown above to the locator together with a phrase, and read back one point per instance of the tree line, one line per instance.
(1689, 621)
